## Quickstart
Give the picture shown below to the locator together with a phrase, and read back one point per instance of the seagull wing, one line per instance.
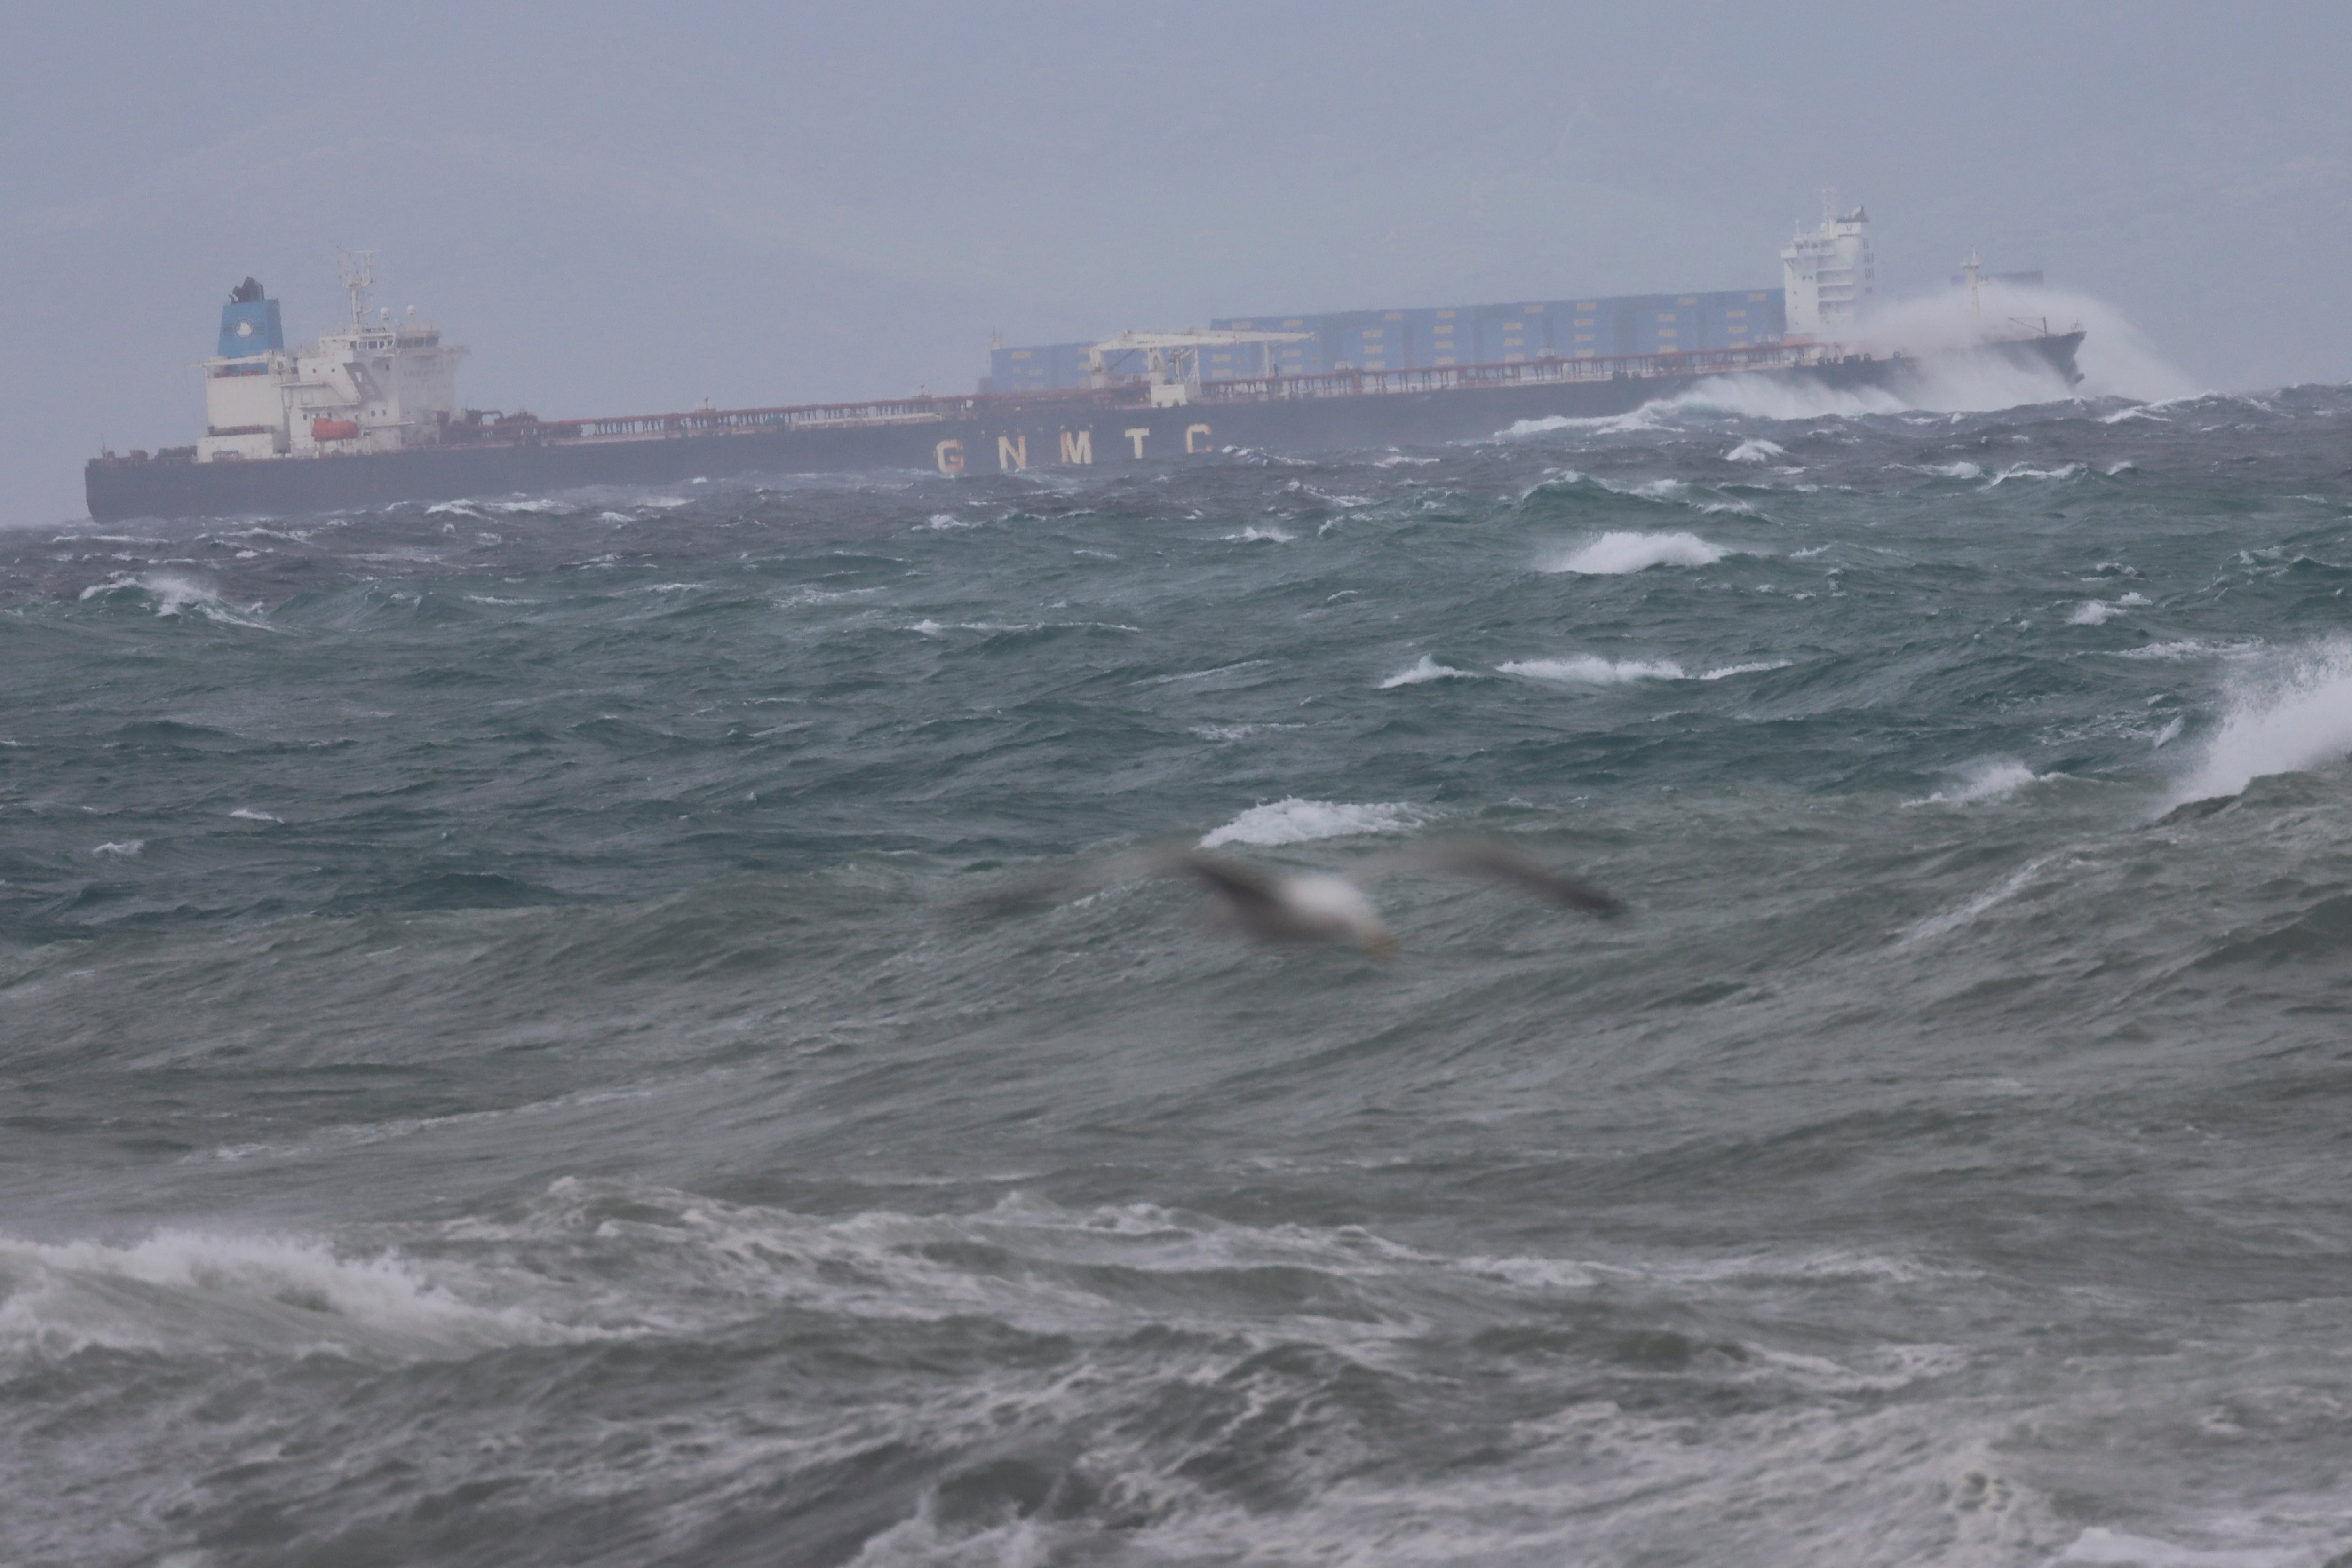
(1495, 862)
(1240, 883)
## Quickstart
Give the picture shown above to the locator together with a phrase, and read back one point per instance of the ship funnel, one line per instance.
(249, 324)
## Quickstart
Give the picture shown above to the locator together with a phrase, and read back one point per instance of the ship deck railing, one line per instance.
(921, 410)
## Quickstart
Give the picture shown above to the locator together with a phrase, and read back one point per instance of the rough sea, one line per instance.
(503, 1061)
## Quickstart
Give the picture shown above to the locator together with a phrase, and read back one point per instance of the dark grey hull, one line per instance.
(981, 436)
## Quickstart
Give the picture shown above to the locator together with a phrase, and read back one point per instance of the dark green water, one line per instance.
(498, 1067)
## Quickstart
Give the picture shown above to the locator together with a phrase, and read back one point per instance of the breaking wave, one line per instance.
(198, 1291)
(1587, 670)
(2290, 717)
(1297, 821)
(1984, 781)
(1427, 669)
(171, 593)
(1618, 553)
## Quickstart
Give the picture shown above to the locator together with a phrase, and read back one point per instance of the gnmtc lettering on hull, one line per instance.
(1077, 446)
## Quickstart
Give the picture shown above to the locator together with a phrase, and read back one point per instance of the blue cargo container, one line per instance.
(1441, 338)
(1512, 334)
(1301, 358)
(1247, 361)
(1369, 340)
(1663, 323)
(1581, 328)
(1043, 367)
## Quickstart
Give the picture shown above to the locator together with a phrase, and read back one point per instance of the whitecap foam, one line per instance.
(2290, 717)
(1757, 668)
(174, 593)
(2027, 471)
(1297, 821)
(1223, 732)
(1586, 669)
(1427, 669)
(1642, 418)
(123, 850)
(1967, 912)
(2099, 612)
(268, 1293)
(1617, 552)
(1755, 450)
(1987, 780)
(2115, 1549)
(2190, 648)
(247, 814)
(1256, 535)
(1959, 470)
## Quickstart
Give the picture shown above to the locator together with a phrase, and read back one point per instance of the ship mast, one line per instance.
(358, 270)
(1974, 269)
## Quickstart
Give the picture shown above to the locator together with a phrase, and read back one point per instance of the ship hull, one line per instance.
(985, 435)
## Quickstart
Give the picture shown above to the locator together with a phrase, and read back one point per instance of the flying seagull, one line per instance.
(1275, 907)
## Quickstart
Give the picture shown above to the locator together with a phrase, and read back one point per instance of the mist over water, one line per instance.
(504, 1068)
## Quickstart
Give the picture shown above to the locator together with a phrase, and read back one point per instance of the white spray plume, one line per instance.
(2289, 717)
(2117, 359)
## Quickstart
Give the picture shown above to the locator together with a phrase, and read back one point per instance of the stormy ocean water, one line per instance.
(502, 1065)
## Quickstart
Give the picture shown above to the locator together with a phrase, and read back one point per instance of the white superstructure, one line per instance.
(1828, 275)
(378, 386)
(1173, 359)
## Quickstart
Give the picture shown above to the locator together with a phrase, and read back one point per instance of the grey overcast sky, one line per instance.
(628, 208)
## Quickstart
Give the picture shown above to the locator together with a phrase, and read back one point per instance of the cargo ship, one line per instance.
(369, 415)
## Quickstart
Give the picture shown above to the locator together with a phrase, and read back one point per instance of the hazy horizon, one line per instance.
(618, 215)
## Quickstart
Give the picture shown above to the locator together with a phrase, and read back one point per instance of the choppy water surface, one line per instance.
(498, 1068)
